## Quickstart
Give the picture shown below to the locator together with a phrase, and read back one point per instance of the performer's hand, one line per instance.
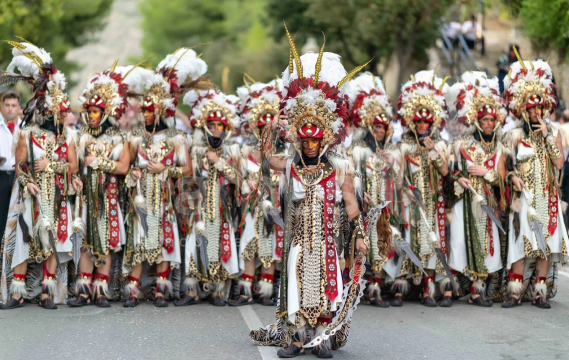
(360, 246)
(33, 189)
(477, 170)
(212, 157)
(77, 185)
(155, 167)
(41, 164)
(283, 121)
(135, 174)
(542, 126)
(367, 198)
(89, 160)
(429, 144)
(251, 184)
(388, 158)
(464, 182)
(518, 183)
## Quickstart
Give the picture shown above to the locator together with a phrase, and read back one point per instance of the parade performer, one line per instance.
(160, 155)
(320, 206)
(37, 237)
(261, 238)
(423, 155)
(371, 114)
(478, 169)
(103, 152)
(211, 249)
(537, 236)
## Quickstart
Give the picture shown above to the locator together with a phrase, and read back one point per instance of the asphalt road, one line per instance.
(207, 332)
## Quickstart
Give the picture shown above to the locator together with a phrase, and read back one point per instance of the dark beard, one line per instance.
(313, 160)
(159, 127)
(480, 135)
(215, 142)
(49, 125)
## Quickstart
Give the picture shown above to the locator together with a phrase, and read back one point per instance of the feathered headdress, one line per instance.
(369, 104)
(314, 96)
(474, 97)
(529, 83)
(213, 105)
(259, 104)
(110, 90)
(36, 67)
(422, 98)
(178, 72)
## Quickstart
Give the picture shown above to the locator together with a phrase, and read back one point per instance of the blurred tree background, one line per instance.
(56, 25)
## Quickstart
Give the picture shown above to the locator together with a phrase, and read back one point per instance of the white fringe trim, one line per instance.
(431, 288)
(540, 289)
(442, 284)
(131, 289)
(82, 282)
(515, 288)
(246, 286)
(18, 287)
(402, 283)
(372, 288)
(102, 286)
(49, 285)
(265, 288)
(479, 286)
(191, 284)
(165, 283)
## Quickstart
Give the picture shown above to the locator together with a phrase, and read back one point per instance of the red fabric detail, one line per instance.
(113, 212)
(132, 278)
(99, 276)
(279, 231)
(329, 185)
(541, 278)
(411, 161)
(83, 274)
(553, 209)
(267, 277)
(465, 155)
(252, 160)
(324, 320)
(247, 277)
(525, 144)
(378, 280)
(225, 250)
(217, 116)
(487, 110)
(20, 276)
(164, 274)
(310, 132)
(63, 220)
(149, 108)
(46, 272)
(391, 254)
(441, 217)
(514, 276)
(96, 101)
(426, 282)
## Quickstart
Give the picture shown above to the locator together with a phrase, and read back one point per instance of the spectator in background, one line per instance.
(70, 121)
(10, 122)
(565, 117)
(504, 63)
(469, 31)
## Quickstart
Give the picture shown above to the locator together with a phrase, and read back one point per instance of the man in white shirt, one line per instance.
(10, 121)
(469, 31)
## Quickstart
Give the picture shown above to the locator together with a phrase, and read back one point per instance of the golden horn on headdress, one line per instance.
(24, 40)
(294, 53)
(246, 83)
(434, 74)
(352, 73)
(290, 63)
(519, 58)
(319, 61)
(225, 79)
(249, 77)
(114, 65)
(547, 61)
(135, 66)
(33, 57)
(531, 64)
(510, 75)
(199, 55)
(412, 77)
(443, 83)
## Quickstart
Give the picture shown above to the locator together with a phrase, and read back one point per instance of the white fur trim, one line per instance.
(18, 287)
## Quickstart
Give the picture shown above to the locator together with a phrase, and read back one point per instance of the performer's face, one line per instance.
(311, 147)
(487, 124)
(379, 132)
(422, 127)
(215, 128)
(535, 114)
(149, 117)
(94, 114)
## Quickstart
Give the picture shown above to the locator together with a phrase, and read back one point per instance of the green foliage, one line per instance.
(236, 29)
(56, 25)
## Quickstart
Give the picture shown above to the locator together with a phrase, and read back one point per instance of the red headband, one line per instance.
(64, 105)
(487, 110)
(535, 100)
(423, 114)
(310, 131)
(97, 101)
(217, 116)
